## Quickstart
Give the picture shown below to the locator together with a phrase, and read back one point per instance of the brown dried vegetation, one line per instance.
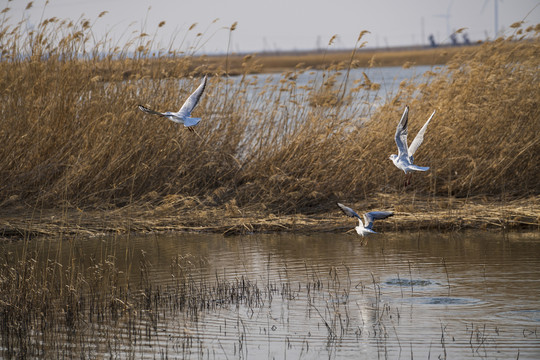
(71, 134)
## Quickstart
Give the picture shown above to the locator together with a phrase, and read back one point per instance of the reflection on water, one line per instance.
(421, 295)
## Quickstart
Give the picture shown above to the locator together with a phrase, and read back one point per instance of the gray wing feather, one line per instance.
(150, 111)
(192, 100)
(401, 133)
(348, 211)
(375, 215)
(419, 137)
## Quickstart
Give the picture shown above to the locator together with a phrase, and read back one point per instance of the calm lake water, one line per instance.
(388, 77)
(282, 296)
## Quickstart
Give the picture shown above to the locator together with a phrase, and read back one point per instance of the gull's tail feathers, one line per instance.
(418, 168)
(190, 121)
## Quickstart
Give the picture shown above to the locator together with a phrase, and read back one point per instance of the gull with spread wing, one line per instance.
(404, 159)
(365, 229)
(183, 116)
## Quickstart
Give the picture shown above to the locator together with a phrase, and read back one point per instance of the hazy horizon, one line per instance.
(286, 26)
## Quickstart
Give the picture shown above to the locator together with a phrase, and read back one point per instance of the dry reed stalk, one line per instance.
(69, 138)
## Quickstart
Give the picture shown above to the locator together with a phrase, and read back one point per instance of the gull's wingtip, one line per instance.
(405, 112)
(348, 211)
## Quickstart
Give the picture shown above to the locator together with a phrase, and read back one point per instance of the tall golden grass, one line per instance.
(71, 133)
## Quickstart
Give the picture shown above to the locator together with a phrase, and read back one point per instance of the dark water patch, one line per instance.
(443, 300)
(527, 315)
(411, 282)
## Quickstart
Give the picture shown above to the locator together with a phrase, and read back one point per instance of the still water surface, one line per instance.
(402, 296)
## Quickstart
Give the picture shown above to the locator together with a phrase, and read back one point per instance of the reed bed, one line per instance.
(72, 138)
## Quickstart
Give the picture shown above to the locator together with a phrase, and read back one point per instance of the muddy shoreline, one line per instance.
(412, 213)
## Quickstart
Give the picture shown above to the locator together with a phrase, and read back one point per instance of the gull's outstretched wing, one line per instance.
(401, 133)
(348, 211)
(192, 100)
(419, 137)
(150, 111)
(375, 215)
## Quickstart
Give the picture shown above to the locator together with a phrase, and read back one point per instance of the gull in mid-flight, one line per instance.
(183, 116)
(404, 159)
(365, 229)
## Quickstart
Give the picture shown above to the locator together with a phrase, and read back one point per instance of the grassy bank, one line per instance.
(73, 141)
(412, 213)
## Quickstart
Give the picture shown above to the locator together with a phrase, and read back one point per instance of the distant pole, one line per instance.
(496, 2)
(422, 32)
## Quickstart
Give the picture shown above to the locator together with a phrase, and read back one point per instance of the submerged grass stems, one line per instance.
(71, 134)
(88, 306)
(51, 304)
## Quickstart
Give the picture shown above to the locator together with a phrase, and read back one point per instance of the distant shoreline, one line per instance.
(163, 67)
(290, 60)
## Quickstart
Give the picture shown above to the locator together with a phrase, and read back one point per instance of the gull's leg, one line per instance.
(405, 178)
(408, 178)
(190, 128)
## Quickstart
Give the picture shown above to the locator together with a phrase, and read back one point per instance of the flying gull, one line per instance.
(183, 116)
(369, 217)
(404, 159)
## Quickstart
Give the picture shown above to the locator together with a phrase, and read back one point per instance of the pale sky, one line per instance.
(287, 24)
